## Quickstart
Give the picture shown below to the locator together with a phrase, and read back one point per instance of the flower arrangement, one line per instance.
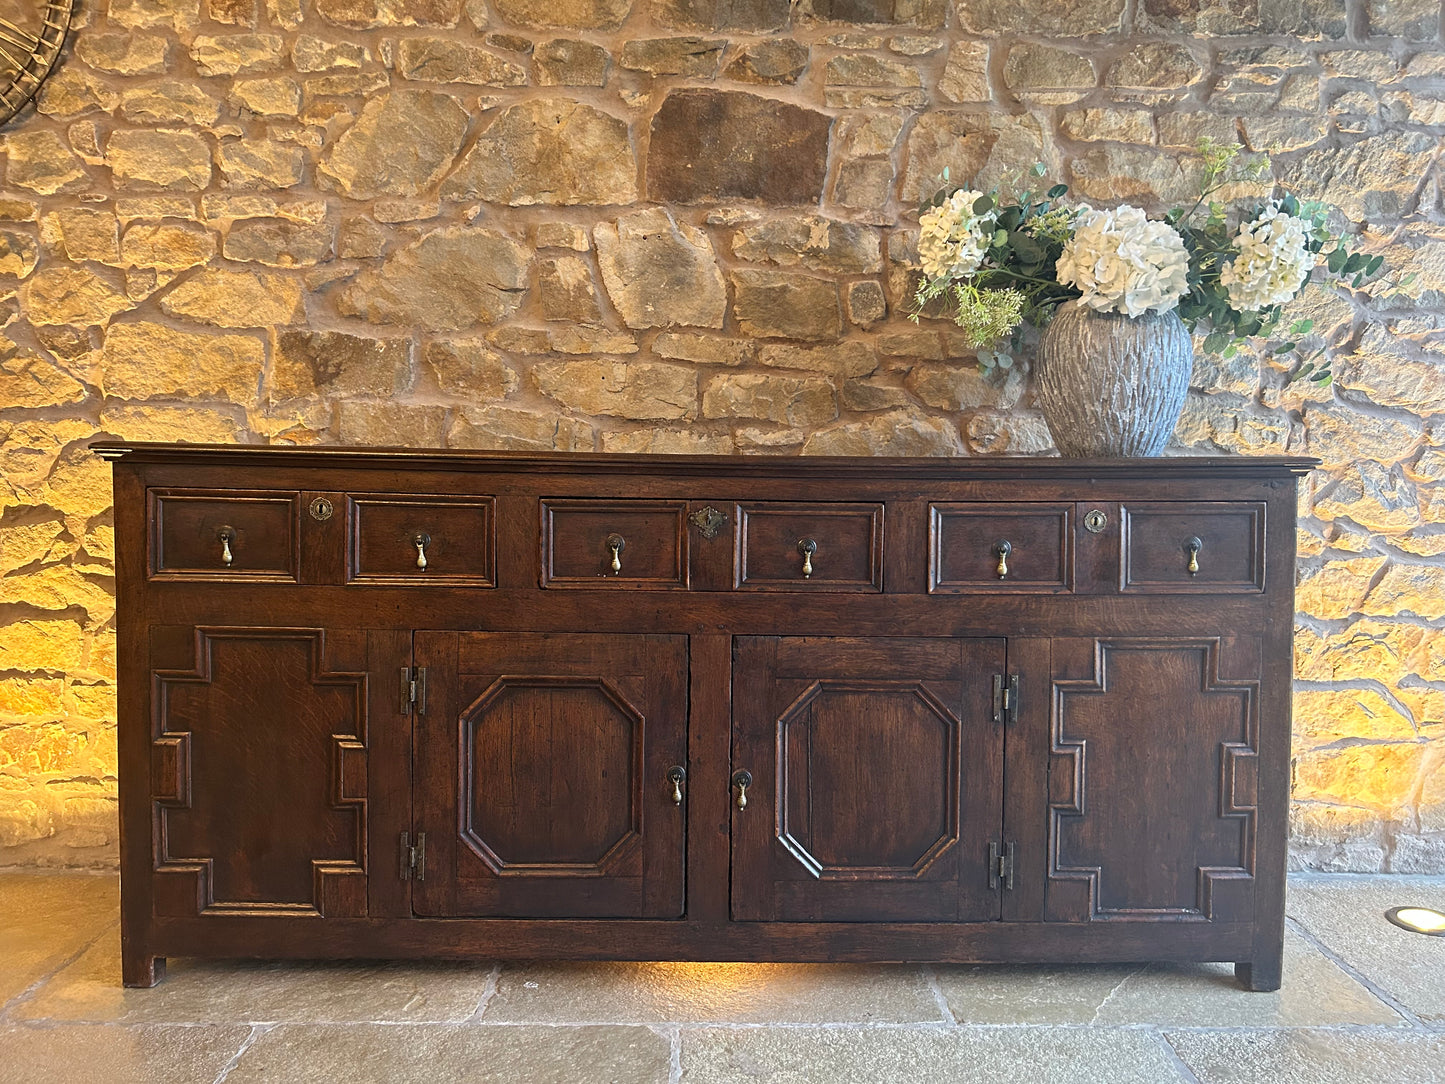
(1003, 262)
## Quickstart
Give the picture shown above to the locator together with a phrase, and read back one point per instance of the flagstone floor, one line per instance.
(1362, 1002)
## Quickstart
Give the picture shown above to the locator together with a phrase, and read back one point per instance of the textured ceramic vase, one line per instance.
(1112, 385)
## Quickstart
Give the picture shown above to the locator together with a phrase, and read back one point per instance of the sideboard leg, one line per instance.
(141, 970)
(1260, 975)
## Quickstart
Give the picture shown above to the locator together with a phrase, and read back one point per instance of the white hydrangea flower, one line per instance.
(952, 240)
(1273, 262)
(1122, 262)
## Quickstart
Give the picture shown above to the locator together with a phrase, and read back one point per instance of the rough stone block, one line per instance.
(784, 305)
(447, 280)
(696, 58)
(145, 360)
(712, 144)
(443, 60)
(402, 143)
(776, 60)
(551, 151)
(571, 63)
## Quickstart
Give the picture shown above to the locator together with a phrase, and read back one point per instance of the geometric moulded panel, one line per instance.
(868, 778)
(258, 777)
(551, 777)
(1152, 786)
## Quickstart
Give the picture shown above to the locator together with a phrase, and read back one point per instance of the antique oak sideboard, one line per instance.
(403, 703)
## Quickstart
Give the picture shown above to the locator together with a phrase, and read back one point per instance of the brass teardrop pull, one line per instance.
(742, 780)
(1192, 547)
(421, 540)
(807, 547)
(225, 536)
(1001, 550)
(616, 544)
(677, 775)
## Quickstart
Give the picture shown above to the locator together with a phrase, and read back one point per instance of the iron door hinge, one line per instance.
(1005, 699)
(413, 857)
(413, 690)
(1001, 865)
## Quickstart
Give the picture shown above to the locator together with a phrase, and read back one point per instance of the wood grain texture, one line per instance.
(1147, 816)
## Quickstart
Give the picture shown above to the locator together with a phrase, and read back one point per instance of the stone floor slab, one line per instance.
(1315, 993)
(712, 993)
(66, 1053)
(1305, 1056)
(229, 991)
(938, 1055)
(1346, 913)
(477, 1054)
(45, 919)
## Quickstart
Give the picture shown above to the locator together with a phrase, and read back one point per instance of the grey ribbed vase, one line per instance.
(1110, 384)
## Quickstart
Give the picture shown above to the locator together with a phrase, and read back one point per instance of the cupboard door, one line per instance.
(1152, 779)
(542, 775)
(877, 772)
(259, 768)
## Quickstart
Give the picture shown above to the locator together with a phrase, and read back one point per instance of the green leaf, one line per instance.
(1289, 205)
(1058, 191)
(1324, 378)
(1215, 341)
(1336, 262)
(983, 205)
(1304, 370)
(1010, 219)
(1039, 169)
(1357, 262)
(1283, 348)
(1376, 262)
(1000, 239)
(1230, 351)
(1028, 250)
(945, 173)
(1301, 327)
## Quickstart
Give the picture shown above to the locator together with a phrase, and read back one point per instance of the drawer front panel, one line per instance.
(774, 552)
(583, 540)
(1000, 547)
(421, 540)
(1202, 546)
(235, 534)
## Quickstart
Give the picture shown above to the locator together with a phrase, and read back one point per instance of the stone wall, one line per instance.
(683, 226)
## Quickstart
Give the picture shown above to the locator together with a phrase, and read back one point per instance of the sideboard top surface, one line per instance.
(1180, 468)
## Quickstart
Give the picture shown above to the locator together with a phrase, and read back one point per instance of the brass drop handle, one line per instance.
(1001, 550)
(616, 544)
(742, 780)
(225, 536)
(677, 775)
(807, 547)
(1192, 547)
(421, 540)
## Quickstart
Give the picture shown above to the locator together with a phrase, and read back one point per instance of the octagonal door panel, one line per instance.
(877, 779)
(541, 764)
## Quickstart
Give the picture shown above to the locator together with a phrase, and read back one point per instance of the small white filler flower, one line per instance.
(1122, 262)
(952, 240)
(1273, 262)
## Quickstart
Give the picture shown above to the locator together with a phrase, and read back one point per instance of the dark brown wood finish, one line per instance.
(1116, 723)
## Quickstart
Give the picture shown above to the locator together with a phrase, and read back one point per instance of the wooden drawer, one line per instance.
(421, 540)
(582, 540)
(1225, 540)
(1000, 547)
(231, 534)
(846, 555)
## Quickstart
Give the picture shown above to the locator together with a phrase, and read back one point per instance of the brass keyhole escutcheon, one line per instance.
(807, 547)
(615, 545)
(1095, 520)
(225, 536)
(321, 509)
(1001, 549)
(677, 775)
(421, 540)
(742, 780)
(1192, 548)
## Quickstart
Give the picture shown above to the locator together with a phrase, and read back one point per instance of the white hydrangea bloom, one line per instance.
(1273, 262)
(952, 240)
(1122, 262)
